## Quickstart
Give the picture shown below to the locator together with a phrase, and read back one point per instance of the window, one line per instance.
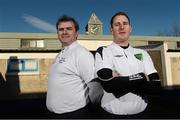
(155, 42)
(22, 65)
(32, 43)
(178, 44)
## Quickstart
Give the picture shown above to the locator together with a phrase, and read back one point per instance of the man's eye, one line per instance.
(60, 29)
(116, 24)
(126, 23)
(70, 28)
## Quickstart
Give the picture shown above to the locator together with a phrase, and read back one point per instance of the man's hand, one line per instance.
(115, 73)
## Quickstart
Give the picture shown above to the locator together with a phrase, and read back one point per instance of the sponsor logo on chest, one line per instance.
(62, 60)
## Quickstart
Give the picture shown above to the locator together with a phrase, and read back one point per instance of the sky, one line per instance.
(148, 17)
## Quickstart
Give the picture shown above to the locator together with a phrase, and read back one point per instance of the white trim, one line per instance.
(166, 63)
(105, 79)
(22, 73)
(28, 55)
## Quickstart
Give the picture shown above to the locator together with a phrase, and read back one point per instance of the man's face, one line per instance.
(67, 33)
(121, 29)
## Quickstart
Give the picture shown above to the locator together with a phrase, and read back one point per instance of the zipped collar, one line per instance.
(72, 45)
(120, 47)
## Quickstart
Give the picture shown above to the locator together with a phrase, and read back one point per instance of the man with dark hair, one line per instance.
(72, 70)
(125, 73)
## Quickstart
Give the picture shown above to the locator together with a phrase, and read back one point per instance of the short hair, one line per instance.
(66, 18)
(117, 14)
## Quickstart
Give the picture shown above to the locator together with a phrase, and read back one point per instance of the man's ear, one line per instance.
(77, 33)
(131, 28)
(111, 30)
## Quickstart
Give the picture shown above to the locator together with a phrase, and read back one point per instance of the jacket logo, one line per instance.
(139, 56)
(118, 56)
(61, 60)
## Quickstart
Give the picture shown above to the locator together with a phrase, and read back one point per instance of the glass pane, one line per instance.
(30, 65)
(40, 43)
(24, 44)
(32, 43)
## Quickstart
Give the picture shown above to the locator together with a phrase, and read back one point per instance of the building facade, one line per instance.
(25, 58)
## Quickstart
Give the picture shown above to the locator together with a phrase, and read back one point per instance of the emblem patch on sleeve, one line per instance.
(139, 56)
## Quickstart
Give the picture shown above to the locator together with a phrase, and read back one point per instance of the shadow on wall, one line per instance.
(2, 85)
(172, 87)
(9, 88)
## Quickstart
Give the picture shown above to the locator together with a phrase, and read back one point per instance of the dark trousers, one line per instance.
(87, 113)
(96, 112)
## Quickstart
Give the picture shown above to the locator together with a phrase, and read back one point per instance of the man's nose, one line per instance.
(121, 26)
(64, 31)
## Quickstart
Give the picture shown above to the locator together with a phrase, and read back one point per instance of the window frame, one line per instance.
(23, 65)
(32, 43)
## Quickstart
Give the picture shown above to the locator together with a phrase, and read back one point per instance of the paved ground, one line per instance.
(166, 105)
